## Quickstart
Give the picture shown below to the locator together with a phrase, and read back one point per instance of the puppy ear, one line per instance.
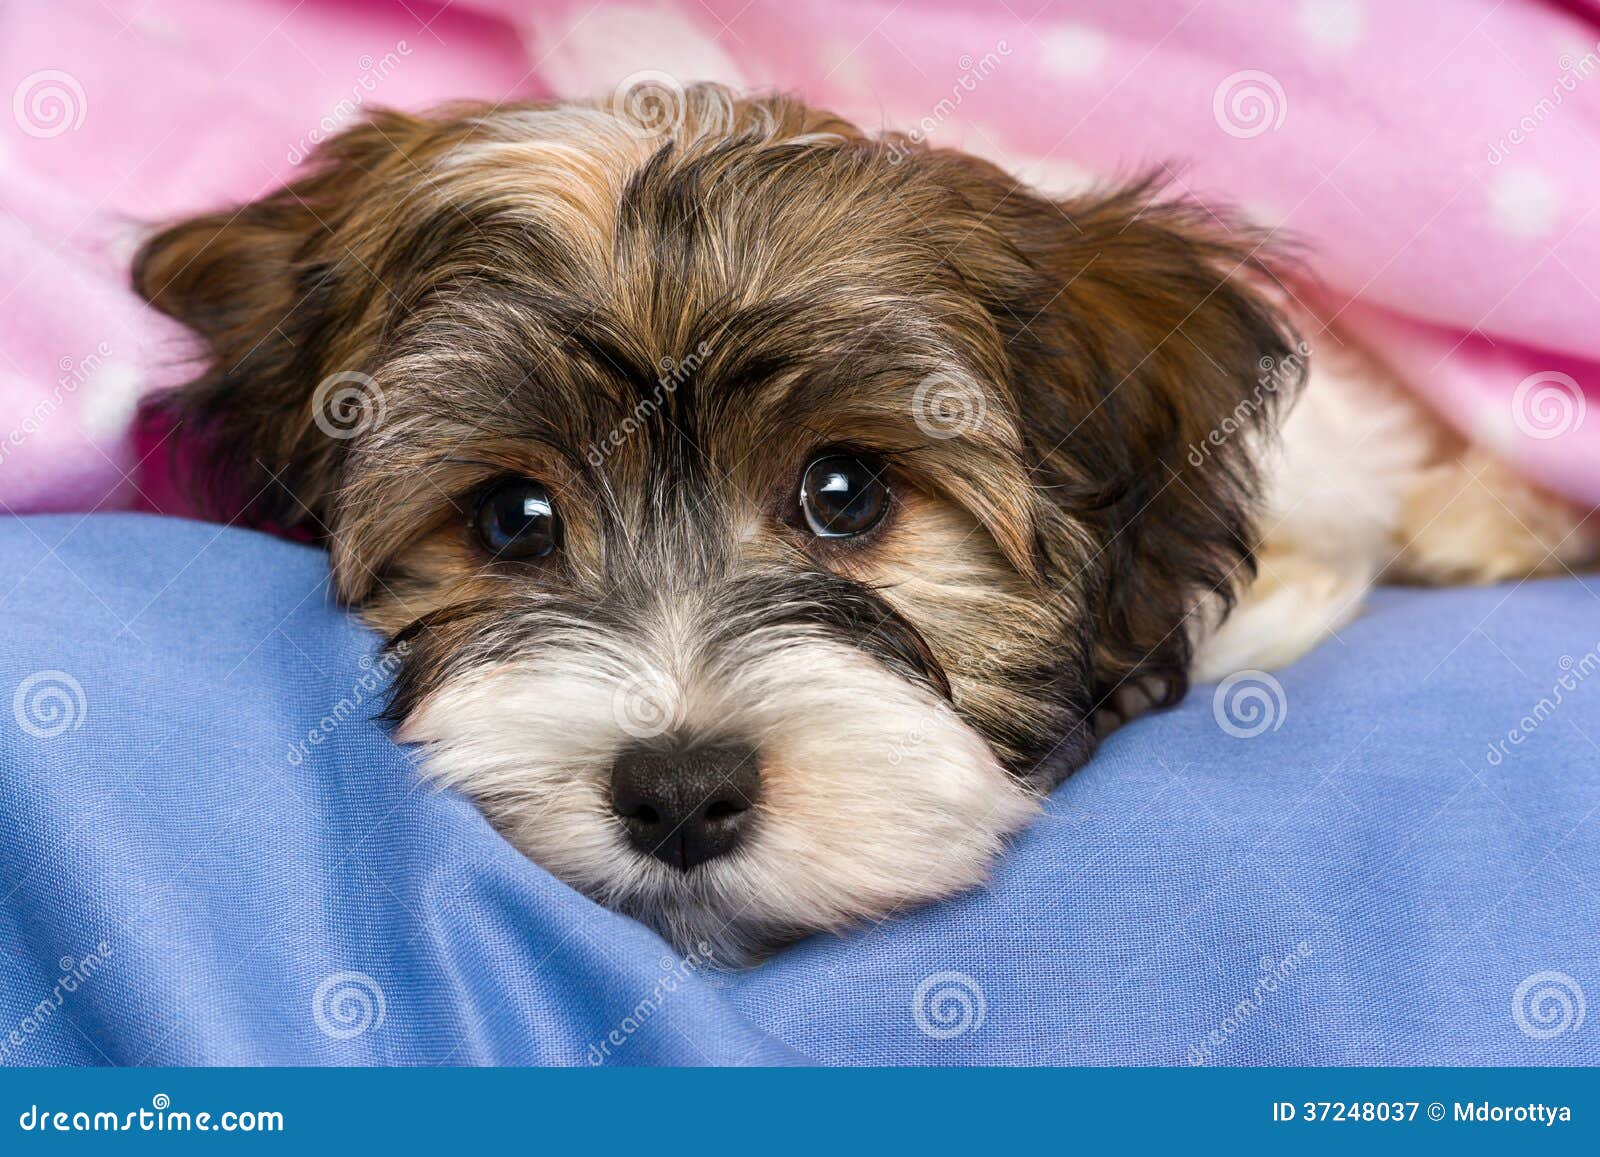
(1148, 361)
(263, 285)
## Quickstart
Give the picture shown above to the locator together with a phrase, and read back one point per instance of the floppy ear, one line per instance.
(277, 298)
(1148, 364)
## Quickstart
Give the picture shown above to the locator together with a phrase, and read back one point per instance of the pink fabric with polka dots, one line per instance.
(1436, 162)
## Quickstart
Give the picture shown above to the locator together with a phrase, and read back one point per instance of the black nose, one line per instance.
(688, 805)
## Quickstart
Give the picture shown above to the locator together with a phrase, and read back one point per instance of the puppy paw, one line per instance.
(1475, 521)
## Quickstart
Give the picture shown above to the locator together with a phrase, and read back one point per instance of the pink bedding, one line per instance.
(1439, 162)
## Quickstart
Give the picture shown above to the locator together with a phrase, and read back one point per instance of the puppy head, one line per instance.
(766, 509)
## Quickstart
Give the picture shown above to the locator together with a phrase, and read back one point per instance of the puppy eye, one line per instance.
(842, 495)
(516, 519)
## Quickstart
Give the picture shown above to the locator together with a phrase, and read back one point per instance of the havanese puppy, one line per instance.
(770, 513)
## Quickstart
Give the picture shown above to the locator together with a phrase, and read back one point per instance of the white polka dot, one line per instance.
(1524, 203)
(1572, 52)
(1264, 214)
(109, 398)
(1333, 24)
(1073, 50)
(159, 28)
(845, 65)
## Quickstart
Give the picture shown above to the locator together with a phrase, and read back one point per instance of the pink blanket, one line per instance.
(1438, 161)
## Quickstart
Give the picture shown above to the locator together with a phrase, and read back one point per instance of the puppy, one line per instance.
(769, 514)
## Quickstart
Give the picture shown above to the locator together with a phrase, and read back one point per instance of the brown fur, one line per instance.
(521, 284)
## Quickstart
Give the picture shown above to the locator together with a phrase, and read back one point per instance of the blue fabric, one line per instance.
(186, 878)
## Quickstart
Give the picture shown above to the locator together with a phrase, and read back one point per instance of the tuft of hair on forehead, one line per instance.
(316, 278)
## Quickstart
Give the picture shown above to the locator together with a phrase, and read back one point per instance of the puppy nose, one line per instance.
(685, 806)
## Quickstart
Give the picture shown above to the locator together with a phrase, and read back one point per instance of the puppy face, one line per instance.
(767, 509)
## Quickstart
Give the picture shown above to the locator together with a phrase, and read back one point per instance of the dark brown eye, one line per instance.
(842, 495)
(516, 519)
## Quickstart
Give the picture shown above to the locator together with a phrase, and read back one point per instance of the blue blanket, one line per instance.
(210, 854)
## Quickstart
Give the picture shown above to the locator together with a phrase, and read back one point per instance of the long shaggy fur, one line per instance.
(664, 328)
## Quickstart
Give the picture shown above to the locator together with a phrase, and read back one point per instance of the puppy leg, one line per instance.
(1365, 485)
(1472, 520)
(1335, 481)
